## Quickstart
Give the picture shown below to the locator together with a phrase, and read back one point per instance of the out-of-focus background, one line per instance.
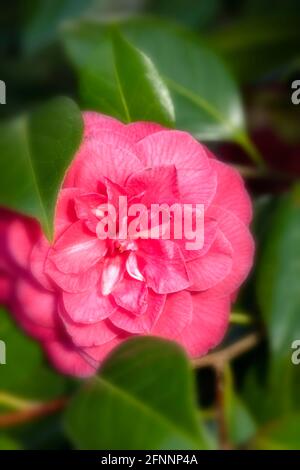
(240, 58)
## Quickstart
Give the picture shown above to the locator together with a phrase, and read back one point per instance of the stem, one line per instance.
(14, 402)
(240, 318)
(220, 407)
(250, 172)
(33, 412)
(219, 358)
(243, 139)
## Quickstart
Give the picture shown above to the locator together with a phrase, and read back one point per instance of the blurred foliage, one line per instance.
(224, 74)
(53, 130)
(32, 378)
(138, 384)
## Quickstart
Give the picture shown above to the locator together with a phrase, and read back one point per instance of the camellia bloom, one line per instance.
(83, 295)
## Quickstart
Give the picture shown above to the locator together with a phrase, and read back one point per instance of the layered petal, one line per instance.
(87, 335)
(236, 199)
(101, 159)
(208, 326)
(77, 249)
(20, 238)
(143, 323)
(239, 236)
(209, 270)
(36, 303)
(161, 264)
(131, 295)
(197, 179)
(140, 130)
(177, 315)
(68, 359)
(88, 307)
(157, 185)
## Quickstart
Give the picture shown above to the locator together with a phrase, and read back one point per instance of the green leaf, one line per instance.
(279, 300)
(142, 398)
(118, 79)
(26, 373)
(36, 150)
(240, 423)
(143, 93)
(278, 276)
(8, 443)
(283, 434)
(206, 98)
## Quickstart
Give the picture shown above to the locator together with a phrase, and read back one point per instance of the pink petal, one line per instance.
(65, 214)
(109, 157)
(95, 123)
(38, 260)
(114, 191)
(143, 323)
(21, 235)
(112, 273)
(37, 332)
(162, 266)
(132, 267)
(67, 359)
(37, 304)
(131, 295)
(77, 249)
(209, 323)
(86, 206)
(6, 285)
(140, 130)
(73, 283)
(177, 314)
(159, 184)
(242, 244)
(88, 307)
(96, 354)
(213, 267)
(210, 232)
(197, 179)
(231, 193)
(87, 335)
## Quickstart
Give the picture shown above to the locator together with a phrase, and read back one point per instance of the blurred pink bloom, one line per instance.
(81, 296)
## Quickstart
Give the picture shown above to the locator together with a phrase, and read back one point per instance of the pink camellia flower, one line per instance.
(82, 295)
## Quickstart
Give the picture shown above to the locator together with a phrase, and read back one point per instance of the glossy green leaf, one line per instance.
(116, 78)
(279, 300)
(278, 277)
(205, 96)
(283, 434)
(36, 150)
(143, 93)
(142, 398)
(26, 373)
